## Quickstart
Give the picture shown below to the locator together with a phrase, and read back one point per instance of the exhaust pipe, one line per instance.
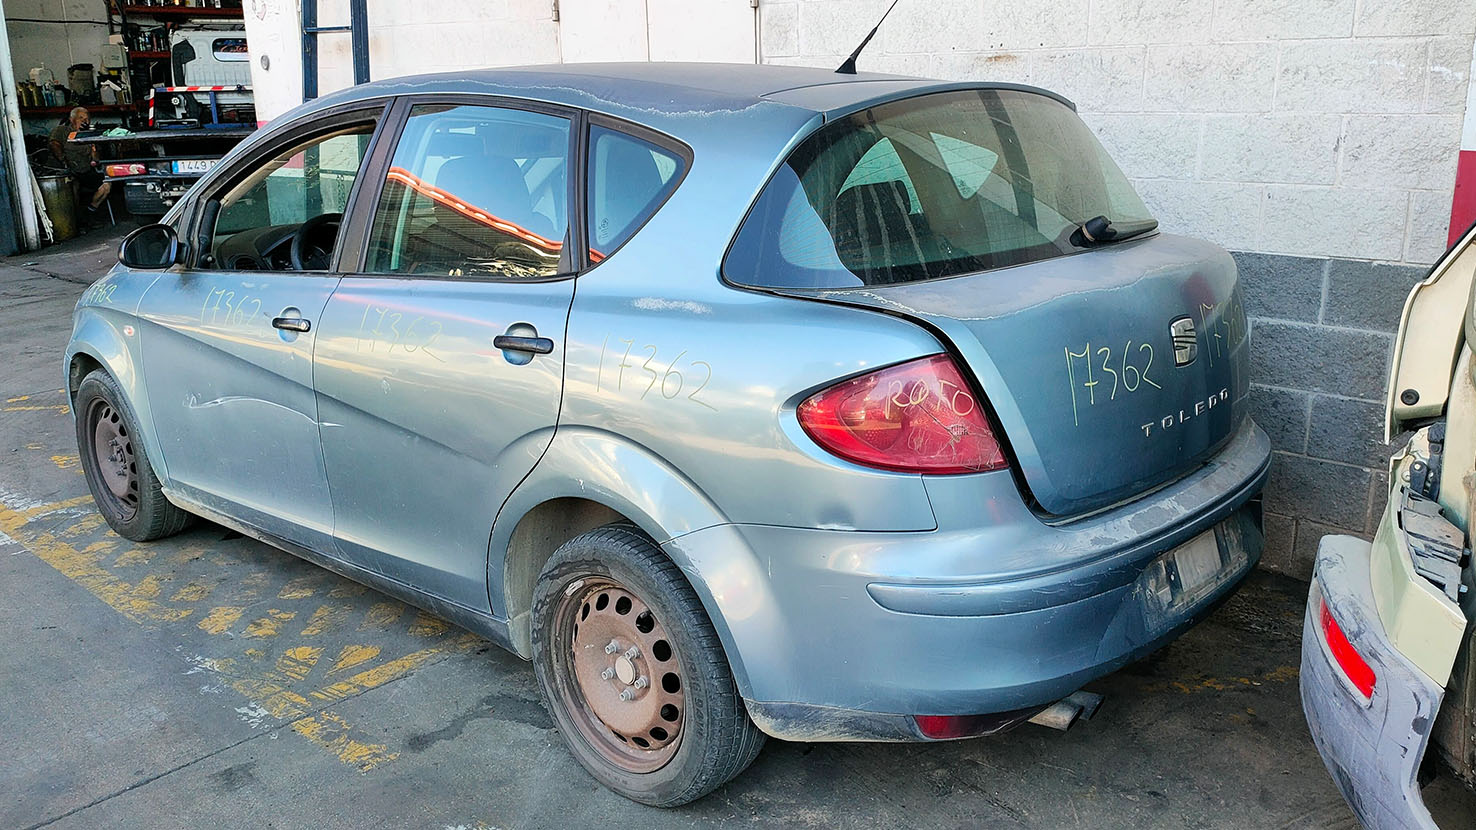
(1064, 713)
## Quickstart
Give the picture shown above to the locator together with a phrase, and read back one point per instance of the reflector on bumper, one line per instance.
(1359, 675)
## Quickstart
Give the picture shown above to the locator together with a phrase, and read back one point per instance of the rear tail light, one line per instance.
(126, 169)
(1360, 675)
(916, 417)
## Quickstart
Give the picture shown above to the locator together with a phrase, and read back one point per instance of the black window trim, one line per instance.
(642, 133)
(358, 226)
(329, 121)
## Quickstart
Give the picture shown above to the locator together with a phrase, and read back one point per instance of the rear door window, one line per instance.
(629, 178)
(474, 192)
(929, 187)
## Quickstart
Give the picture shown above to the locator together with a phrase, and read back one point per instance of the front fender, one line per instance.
(99, 333)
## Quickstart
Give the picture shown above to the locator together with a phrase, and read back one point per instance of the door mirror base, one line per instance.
(151, 247)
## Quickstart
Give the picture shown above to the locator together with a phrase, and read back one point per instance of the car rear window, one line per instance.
(928, 187)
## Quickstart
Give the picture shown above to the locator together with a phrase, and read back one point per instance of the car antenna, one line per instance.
(849, 67)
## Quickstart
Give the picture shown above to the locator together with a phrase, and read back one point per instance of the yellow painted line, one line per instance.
(326, 618)
(271, 624)
(269, 692)
(332, 733)
(19, 398)
(427, 625)
(60, 408)
(135, 556)
(83, 526)
(220, 619)
(54, 507)
(82, 568)
(67, 462)
(193, 592)
(297, 663)
(353, 656)
(382, 615)
(394, 669)
(301, 587)
(346, 589)
(148, 587)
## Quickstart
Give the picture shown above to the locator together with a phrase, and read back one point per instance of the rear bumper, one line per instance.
(152, 196)
(840, 635)
(1373, 750)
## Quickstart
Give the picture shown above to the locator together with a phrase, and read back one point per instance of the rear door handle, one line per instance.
(297, 324)
(514, 343)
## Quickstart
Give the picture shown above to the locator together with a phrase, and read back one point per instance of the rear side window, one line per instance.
(629, 178)
(929, 187)
(474, 192)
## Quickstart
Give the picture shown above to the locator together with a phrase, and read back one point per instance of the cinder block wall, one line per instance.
(1317, 140)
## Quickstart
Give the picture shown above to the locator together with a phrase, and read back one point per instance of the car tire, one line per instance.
(685, 732)
(123, 484)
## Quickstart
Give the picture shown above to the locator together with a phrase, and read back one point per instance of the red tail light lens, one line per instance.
(916, 417)
(948, 727)
(1352, 664)
(126, 169)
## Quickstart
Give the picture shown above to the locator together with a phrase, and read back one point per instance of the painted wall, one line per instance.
(406, 38)
(69, 32)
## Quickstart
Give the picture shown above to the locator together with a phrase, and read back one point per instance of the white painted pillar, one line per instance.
(17, 169)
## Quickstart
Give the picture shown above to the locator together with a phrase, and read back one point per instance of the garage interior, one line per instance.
(124, 64)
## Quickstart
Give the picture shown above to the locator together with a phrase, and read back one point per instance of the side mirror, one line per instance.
(151, 247)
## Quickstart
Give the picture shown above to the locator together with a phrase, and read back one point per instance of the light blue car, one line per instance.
(742, 400)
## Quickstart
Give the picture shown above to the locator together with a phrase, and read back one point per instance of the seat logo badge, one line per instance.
(1186, 341)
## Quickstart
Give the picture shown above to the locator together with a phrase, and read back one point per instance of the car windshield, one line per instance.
(934, 186)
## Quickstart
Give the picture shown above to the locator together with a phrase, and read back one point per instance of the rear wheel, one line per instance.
(122, 481)
(633, 672)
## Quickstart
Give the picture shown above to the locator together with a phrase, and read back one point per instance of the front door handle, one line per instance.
(297, 324)
(514, 343)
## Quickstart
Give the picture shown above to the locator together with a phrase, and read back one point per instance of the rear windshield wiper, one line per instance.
(1099, 230)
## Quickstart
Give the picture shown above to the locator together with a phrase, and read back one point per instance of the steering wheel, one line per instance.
(312, 243)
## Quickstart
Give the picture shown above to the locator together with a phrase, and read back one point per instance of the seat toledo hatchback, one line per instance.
(743, 401)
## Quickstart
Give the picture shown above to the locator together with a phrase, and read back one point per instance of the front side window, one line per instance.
(303, 190)
(933, 186)
(629, 178)
(475, 192)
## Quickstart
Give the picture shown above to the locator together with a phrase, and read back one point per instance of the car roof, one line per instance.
(662, 95)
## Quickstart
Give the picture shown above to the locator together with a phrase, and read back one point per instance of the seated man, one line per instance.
(80, 160)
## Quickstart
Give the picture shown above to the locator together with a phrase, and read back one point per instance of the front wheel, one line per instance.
(122, 480)
(633, 672)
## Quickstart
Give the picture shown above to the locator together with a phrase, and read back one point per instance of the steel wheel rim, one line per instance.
(610, 640)
(113, 460)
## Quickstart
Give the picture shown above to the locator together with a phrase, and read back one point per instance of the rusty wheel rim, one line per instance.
(113, 459)
(620, 676)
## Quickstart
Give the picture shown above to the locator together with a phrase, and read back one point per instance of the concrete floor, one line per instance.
(208, 680)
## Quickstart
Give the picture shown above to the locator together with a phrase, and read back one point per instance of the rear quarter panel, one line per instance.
(664, 357)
